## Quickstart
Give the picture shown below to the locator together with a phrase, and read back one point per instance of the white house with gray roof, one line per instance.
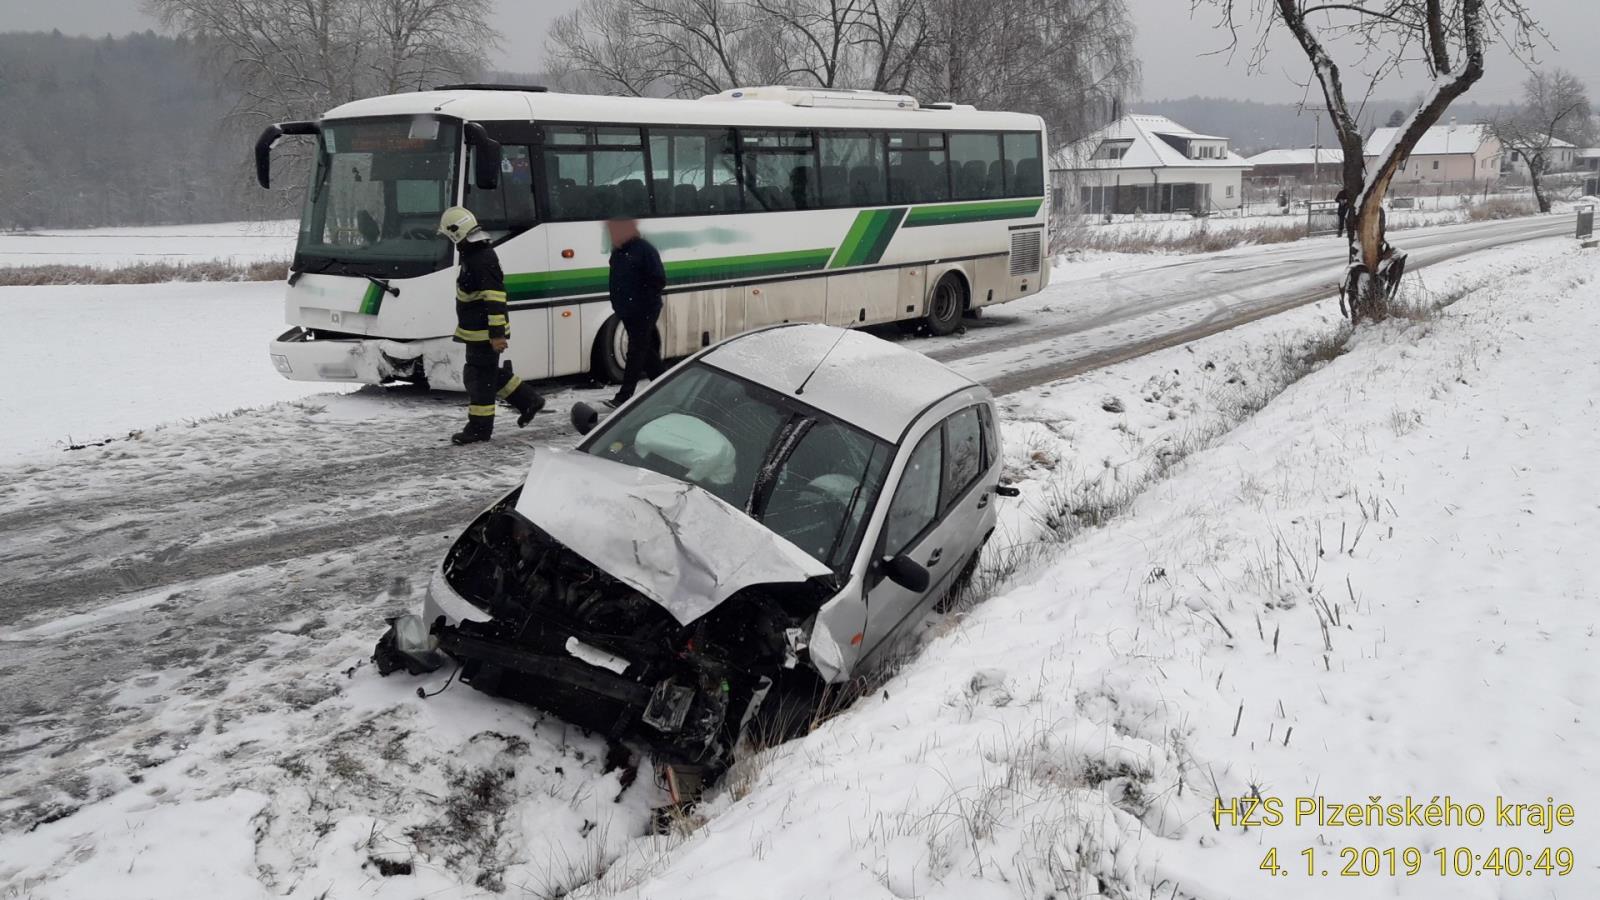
(1458, 154)
(1147, 164)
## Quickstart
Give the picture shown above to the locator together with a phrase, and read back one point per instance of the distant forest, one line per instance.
(113, 131)
(1253, 127)
(132, 131)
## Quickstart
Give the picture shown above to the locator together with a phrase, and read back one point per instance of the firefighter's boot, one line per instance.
(527, 401)
(479, 428)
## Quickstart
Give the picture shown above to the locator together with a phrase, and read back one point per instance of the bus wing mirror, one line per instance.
(269, 137)
(486, 158)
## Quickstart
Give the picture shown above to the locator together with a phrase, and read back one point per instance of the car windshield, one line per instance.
(807, 477)
(376, 196)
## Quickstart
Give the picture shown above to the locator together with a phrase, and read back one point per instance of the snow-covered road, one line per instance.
(239, 544)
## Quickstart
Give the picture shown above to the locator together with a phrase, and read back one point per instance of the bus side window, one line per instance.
(1024, 171)
(852, 169)
(918, 167)
(508, 208)
(595, 171)
(974, 158)
(780, 170)
(688, 166)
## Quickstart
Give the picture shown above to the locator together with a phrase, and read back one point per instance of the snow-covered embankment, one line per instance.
(1377, 587)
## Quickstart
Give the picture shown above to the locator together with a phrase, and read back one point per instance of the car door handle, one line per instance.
(933, 560)
(983, 501)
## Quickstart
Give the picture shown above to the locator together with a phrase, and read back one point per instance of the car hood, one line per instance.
(677, 544)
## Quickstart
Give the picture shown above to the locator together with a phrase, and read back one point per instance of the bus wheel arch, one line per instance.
(609, 356)
(947, 302)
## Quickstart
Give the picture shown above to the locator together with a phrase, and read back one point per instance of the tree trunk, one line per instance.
(1539, 195)
(1368, 294)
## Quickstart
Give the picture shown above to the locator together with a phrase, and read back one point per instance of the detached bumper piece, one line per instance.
(681, 714)
(406, 645)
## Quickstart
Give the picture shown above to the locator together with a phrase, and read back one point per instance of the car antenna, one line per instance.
(802, 388)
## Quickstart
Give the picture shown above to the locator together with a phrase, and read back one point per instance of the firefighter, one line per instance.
(482, 325)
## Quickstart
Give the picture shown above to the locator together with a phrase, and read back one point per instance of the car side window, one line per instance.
(964, 453)
(991, 444)
(916, 500)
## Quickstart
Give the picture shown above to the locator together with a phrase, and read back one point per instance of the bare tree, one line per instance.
(296, 58)
(1555, 106)
(1063, 59)
(1446, 38)
(423, 42)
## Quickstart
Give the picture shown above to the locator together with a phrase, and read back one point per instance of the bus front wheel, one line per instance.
(609, 358)
(945, 305)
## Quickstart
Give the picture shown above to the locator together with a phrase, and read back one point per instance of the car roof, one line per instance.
(873, 384)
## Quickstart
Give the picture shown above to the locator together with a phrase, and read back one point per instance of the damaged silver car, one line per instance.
(781, 507)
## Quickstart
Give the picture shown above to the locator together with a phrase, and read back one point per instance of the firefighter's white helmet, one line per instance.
(458, 223)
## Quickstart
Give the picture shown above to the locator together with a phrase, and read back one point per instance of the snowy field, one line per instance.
(1388, 559)
(238, 242)
(122, 358)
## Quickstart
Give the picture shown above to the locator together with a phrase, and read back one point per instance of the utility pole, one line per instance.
(1316, 144)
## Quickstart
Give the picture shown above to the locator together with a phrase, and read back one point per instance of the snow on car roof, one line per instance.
(878, 386)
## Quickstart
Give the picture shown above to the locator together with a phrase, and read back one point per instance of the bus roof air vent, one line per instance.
(830, 98)
(480, 86)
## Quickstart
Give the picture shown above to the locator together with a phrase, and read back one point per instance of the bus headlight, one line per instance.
(281, 363)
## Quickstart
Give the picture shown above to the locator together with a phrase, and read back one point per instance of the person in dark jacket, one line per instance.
(482, 324)
(1346, 221)
(637, 280)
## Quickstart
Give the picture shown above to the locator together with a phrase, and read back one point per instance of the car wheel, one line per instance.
(945, 305)
(609, 359)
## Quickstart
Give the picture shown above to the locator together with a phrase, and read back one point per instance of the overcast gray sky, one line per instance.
(1171, 44)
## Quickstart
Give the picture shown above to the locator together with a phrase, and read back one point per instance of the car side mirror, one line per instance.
(584, 417)
(907, 572)
(486, 157)
(1006, 490)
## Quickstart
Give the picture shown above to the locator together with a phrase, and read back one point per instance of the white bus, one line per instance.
(767, 204)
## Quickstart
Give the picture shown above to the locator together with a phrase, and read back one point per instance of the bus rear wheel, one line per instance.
(945, 305)
(609, 359)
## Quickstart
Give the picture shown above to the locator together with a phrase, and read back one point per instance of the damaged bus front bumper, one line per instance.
(302, 355)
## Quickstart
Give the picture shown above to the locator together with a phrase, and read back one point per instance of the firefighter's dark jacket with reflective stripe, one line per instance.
(480, 295)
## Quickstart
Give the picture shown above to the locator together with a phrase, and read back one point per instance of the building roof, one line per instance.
(1440, 140)
(1589, 153)
(1298, 157)
(1146, 148)
(875, 385)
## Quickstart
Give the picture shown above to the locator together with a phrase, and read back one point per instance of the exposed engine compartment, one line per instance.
(571, 639)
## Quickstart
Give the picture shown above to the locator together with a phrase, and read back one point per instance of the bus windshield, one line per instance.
(376, 195)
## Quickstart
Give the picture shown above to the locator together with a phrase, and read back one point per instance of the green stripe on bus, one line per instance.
(890, 223)
(579, 282)
(981, 211)
(372, 300)
(868, 237)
